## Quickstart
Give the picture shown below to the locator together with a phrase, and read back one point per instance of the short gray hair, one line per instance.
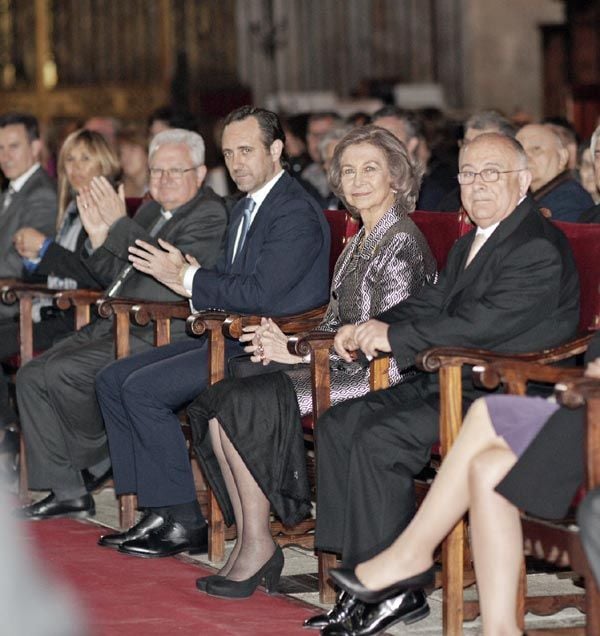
(179, 136)
(594, 141)
(337, 133)
(490, 120)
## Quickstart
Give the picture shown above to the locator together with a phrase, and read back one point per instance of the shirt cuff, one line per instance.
(45, 245)
(188, 278)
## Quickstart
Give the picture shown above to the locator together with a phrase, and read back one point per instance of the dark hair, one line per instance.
(25, 119)
(405, 173)
(268, 122)
(174, 118)
(411, 121)
(491, 120)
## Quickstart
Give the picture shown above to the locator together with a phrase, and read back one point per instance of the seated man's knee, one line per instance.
(30, 374)
(107, 380)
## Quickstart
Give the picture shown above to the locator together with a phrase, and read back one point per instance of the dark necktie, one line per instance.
(116, 286)
(249, 205)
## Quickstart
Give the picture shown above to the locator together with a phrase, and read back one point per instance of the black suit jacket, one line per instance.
(520, 293)
(64, 263)
(197, 228)
(283, 266)
(547, 475)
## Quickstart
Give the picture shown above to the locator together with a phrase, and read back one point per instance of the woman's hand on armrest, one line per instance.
(267, 343)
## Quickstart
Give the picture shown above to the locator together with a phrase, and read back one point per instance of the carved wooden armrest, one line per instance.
(302, 344)
(516, 373)
(434, 358)
(76, 297)
(233, 325)
(13, 292)
(575, 392)
(202, 322)
(142, 313)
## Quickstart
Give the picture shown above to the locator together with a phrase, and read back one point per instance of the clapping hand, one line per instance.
(168, 265)
(592, 370)
(93, 222)
(110, 204)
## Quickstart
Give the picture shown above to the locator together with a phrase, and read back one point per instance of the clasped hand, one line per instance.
(28, 241)
(267, 343)
(168, 265)
(371, 337)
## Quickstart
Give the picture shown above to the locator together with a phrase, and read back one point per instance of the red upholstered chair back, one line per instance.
(132, 204)
(342, 227)
(584, 239)
(441, 229)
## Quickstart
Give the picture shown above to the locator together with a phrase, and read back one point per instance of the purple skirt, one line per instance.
(518, 419)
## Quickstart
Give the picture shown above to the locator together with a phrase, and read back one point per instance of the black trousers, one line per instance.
(368, 450)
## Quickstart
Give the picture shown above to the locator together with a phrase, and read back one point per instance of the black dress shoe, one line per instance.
(148, 522)
(347, 580)
(93, 482)
(52, 508)
(168, 539)
(345, 604)
(369, 620)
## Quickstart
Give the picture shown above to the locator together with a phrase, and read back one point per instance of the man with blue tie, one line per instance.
(275, 263)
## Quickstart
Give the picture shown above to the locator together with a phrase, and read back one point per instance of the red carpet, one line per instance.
(126, 596)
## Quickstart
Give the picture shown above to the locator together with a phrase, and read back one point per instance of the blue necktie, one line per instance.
(249, 205)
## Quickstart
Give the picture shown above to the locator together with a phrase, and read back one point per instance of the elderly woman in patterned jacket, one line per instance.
(247, 430)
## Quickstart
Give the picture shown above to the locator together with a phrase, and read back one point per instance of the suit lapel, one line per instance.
(466, 277)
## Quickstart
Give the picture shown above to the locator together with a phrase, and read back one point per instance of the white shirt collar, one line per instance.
(261, 194)
(19, 182)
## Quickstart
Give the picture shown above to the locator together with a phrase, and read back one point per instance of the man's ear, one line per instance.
(412, 145)
(36, 148)
(200, 174)
(276, 149)
(524, 181)
(564, 158)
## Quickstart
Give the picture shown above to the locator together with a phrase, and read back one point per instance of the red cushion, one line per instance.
(584, 239)
(342, 227)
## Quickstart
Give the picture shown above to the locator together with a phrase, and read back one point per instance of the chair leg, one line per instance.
(127, 506)
(452, 581)
(216, 530)
(521, 596)
(23, 479)
(327, 561)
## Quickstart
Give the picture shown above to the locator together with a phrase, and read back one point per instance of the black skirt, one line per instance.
(260, 416)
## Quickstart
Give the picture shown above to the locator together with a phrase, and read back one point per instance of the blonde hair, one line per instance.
(97, 146)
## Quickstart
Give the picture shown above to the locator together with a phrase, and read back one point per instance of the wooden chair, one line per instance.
(557, 537)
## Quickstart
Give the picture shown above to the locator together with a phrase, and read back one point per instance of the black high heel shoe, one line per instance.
(268, 574)
(347, 580)
(203, 581)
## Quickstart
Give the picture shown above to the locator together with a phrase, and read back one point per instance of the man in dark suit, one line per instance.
(511, 285)
(59, 414)
(30, 200)
(275, 263)
(552, 183)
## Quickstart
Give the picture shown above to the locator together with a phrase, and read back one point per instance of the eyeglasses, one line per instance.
(489, 175)
(173, 173)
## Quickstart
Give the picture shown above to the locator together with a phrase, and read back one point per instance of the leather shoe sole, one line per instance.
(169, 539)
(150, 521)
(51, 508)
